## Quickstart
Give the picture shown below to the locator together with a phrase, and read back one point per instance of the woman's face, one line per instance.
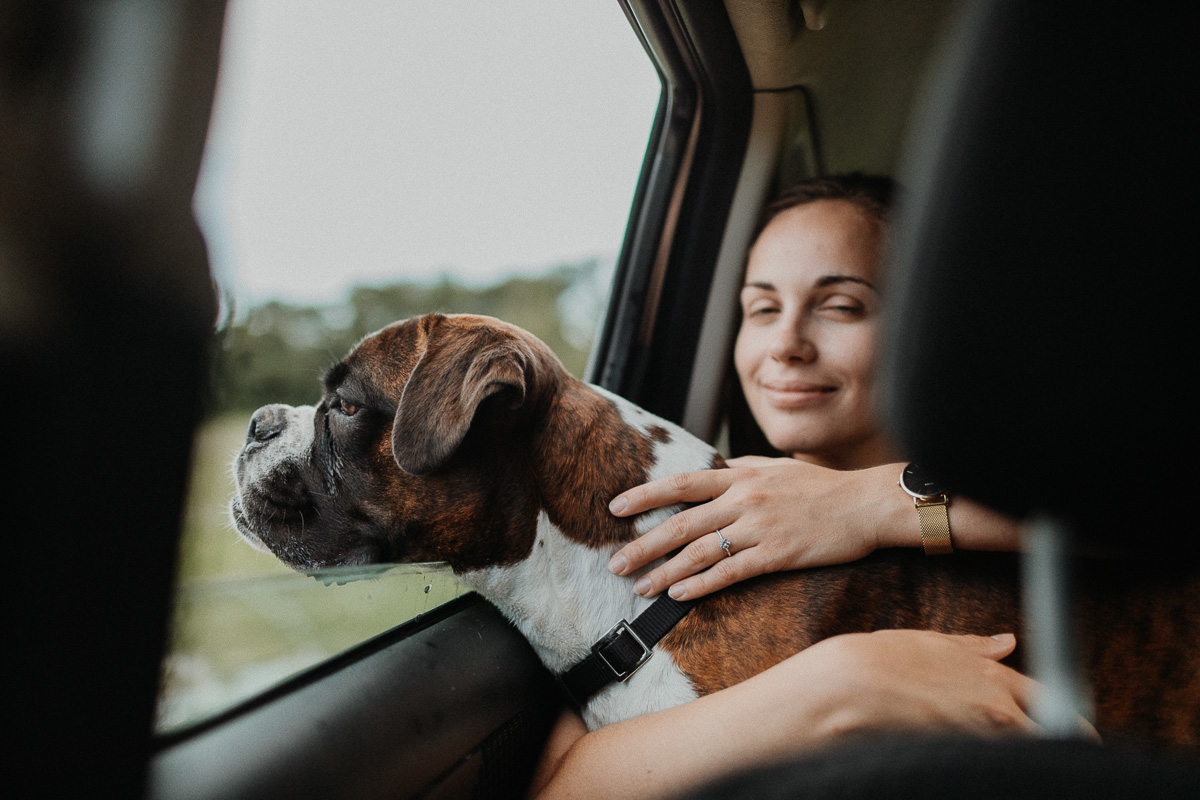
(805, 350)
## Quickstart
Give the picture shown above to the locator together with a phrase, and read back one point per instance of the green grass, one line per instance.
(242, 621)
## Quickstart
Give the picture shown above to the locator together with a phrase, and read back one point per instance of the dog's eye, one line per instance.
(349, 409)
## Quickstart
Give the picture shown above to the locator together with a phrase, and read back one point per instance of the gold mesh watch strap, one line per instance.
(935, 525)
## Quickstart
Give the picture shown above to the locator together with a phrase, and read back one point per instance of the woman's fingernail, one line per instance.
(618, 564)
(618, 504)
(642, 586)
(677, 592)
(1003, 637)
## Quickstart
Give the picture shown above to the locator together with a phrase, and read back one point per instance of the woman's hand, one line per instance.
(777, 513)
(921, 680)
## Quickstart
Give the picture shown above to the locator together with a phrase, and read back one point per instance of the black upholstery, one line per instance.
(938, 768)
(1039, 350)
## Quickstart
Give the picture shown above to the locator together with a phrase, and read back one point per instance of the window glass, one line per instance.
(367, 162)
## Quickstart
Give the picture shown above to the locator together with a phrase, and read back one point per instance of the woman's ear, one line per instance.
(460, 368)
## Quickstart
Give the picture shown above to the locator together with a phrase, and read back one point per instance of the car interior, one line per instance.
(1027, 357)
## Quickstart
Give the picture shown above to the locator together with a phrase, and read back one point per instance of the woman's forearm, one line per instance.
(972, 526)
(887, 680)
(662, 754)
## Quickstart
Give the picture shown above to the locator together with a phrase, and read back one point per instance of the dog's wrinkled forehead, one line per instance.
(381, 363)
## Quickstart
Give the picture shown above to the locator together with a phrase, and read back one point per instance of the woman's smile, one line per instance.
(796, 395)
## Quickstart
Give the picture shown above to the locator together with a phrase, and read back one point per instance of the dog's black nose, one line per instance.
(267, 423)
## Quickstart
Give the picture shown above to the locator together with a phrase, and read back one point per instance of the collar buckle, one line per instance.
(622, 651)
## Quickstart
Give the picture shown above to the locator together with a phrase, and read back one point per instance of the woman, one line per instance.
(811, 305)
(804, 355)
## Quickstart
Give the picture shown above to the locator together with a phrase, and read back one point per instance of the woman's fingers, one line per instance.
(702, 567)
(694, 530)
(925, 680)
(782, 513)
(1010, 709)
(685, 487)
(755, 461)
(1021, 690)
(1024, 690)
(742, 513)
(994, 647)
(699, 555)
(679, 530)
(725, 572)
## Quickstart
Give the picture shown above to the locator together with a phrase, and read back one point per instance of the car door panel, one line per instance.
(455, 698)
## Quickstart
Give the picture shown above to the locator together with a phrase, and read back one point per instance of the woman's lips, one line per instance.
(797, 395)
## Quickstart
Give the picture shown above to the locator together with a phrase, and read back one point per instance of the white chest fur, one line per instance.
(563, 597)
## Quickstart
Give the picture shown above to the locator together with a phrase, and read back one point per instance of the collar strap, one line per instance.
(623, 650)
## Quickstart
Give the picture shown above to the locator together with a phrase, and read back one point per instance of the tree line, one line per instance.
(276, 352)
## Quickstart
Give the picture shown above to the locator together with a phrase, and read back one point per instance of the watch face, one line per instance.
(919, 483)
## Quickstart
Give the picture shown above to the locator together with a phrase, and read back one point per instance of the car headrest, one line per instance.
(1039, 332)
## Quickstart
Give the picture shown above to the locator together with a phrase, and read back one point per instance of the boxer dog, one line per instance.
(463, 439)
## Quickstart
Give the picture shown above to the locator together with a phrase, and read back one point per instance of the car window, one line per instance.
(367, 162)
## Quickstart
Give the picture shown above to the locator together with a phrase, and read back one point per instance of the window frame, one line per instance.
(648, 342)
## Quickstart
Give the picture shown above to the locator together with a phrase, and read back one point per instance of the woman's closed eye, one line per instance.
(760, 308)
(842, 306)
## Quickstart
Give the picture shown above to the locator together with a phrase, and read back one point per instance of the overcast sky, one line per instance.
(381, 139)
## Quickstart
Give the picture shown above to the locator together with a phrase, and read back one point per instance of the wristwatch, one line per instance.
(931, 499)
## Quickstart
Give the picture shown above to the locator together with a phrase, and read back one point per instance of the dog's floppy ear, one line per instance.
(454, 375)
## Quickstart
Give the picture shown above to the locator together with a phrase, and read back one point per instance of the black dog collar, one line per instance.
(623, 650)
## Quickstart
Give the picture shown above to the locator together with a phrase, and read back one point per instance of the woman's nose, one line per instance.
(792, 344)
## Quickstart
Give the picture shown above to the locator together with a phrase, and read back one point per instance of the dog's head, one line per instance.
(418, 436)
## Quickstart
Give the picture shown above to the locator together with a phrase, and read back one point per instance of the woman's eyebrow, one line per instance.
(824, 280)
(829, 280)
